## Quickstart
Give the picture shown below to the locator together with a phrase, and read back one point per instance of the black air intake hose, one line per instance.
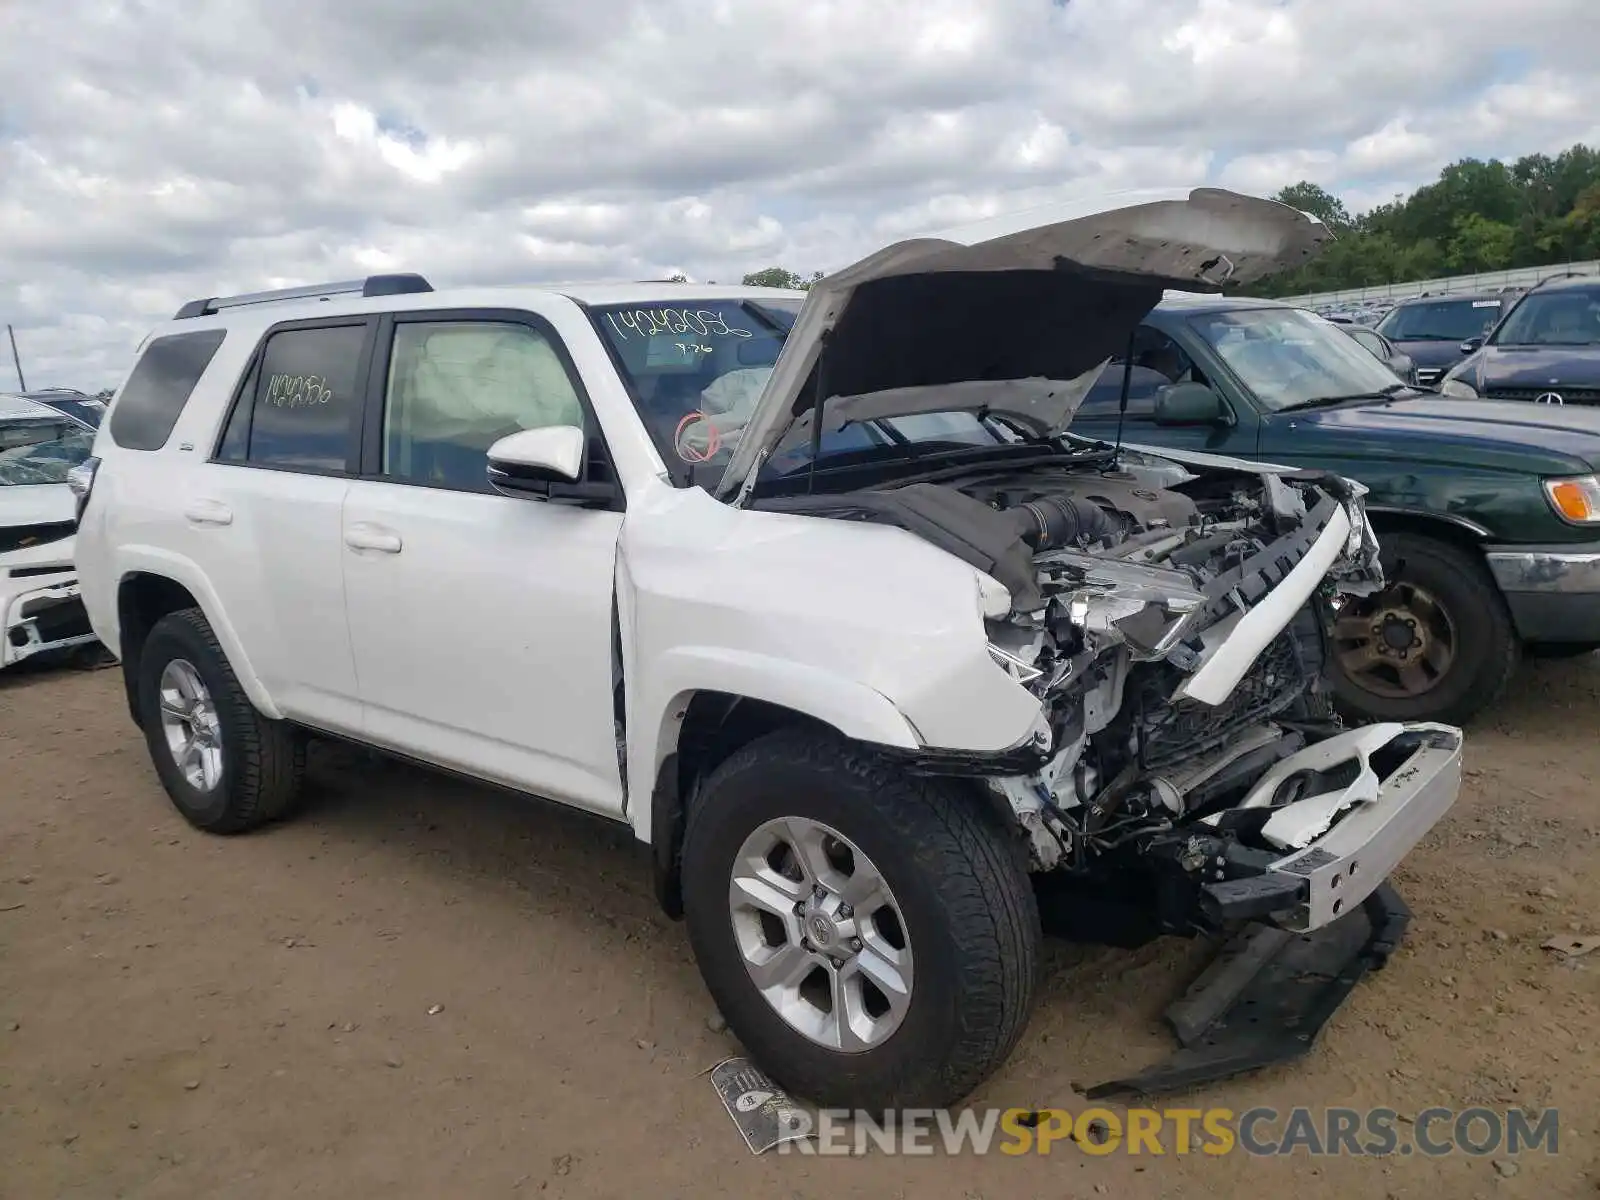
(1051, 522)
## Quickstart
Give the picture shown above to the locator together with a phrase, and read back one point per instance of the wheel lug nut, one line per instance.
(845, 910)
(800, 909)
(855, 943)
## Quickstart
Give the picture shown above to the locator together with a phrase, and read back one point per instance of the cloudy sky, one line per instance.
(156, 150)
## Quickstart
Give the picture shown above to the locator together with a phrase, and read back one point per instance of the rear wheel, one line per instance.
(1437, 644)
(226, 767)
(870, 936)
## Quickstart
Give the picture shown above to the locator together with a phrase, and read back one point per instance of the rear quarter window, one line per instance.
(153, 398)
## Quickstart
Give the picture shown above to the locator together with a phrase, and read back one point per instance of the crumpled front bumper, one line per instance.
(1320, 917)
(40, 613)
(1363, 799)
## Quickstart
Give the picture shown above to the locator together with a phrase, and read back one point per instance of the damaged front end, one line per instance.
(1171, 625)
(1188, 774)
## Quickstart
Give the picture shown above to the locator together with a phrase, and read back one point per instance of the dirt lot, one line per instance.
(185, 1016)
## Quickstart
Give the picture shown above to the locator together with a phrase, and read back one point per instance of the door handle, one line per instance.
(362, 536)
(208, 512)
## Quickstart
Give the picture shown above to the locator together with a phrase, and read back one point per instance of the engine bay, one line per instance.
(1123, 585)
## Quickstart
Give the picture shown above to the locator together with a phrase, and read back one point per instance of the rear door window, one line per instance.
(301, 400)
(161, 384)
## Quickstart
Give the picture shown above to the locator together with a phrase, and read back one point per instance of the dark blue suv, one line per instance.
(1432, 330)
(1547, 348)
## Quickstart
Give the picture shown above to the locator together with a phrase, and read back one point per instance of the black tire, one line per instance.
(263, 761)
(1559, 649)
(961, 884)
(1486, 648)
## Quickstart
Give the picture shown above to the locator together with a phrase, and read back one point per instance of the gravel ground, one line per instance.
(423, 988)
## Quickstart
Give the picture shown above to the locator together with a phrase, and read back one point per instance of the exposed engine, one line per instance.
(1126, 587)
(1135, 586)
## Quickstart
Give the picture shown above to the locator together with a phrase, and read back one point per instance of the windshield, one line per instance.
(695, 370)
(1440, 320)
(1570, 317)
(1288, 357)
(37, 451)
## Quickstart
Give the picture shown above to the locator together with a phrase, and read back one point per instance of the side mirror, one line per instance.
(547, 464)
(1471, 344)
(1189, 404)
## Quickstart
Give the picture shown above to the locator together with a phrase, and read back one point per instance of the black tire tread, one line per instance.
(269, 757)
(990, 905)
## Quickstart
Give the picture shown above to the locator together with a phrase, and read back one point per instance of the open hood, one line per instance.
(1015, 315)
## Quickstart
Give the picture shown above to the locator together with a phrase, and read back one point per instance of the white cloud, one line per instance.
(155, 151)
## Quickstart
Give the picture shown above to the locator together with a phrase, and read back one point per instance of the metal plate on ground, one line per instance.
(1268, 996)
(761, 1110)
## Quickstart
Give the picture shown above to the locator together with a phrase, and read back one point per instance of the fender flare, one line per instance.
(855, 709)
(152, 560)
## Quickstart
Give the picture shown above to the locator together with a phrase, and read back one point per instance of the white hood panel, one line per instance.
(1149, 241)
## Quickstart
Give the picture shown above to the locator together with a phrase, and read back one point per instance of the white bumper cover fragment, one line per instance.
(1354, 819)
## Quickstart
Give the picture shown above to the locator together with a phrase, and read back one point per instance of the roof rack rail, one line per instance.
(372, 285)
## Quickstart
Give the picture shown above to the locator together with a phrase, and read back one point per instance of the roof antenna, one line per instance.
(1122, 400)
(816, 414)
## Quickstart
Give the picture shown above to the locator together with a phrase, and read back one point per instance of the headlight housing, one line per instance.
(1576, 499)
(1458, 389)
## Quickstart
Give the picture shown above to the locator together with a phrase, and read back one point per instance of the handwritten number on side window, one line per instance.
(298, 391)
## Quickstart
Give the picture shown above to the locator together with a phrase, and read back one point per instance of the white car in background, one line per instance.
(39, 602)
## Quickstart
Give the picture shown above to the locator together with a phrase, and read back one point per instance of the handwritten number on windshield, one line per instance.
(651, 322)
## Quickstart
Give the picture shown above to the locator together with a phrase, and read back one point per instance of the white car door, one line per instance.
(262, 517)
(481, 623)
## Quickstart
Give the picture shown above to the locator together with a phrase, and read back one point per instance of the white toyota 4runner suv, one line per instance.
(816, 593)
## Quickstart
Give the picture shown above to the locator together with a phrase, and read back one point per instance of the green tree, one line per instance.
(781, 277)
(1480, 244)
(1477, 216)
(1318, 201)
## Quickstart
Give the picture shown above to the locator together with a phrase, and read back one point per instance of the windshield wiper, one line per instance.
(1386, 393)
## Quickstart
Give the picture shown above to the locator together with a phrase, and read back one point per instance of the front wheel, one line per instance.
(1436, 644)
(870, 936)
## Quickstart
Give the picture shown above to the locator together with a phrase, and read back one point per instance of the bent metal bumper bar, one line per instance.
(1333, 917)
(1371, 794)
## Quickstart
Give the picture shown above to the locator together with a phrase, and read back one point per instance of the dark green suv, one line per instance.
(1489, 512)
